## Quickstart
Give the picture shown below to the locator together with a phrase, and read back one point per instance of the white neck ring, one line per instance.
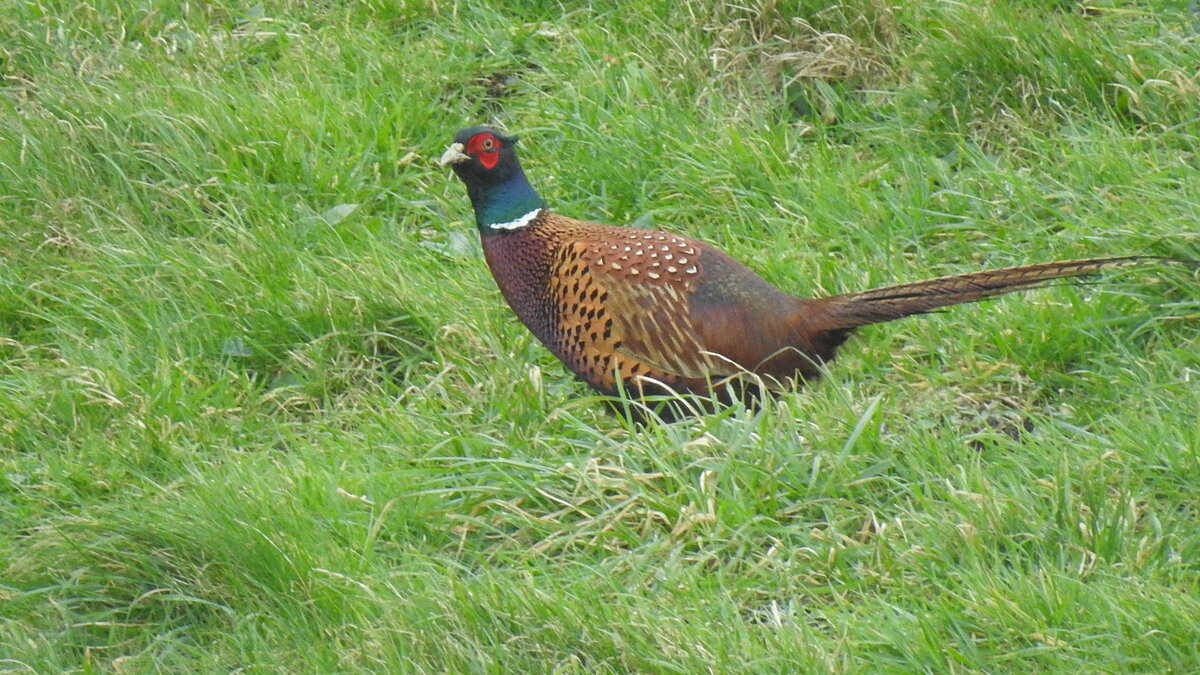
(517, 223)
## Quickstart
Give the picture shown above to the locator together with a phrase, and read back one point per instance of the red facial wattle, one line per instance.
(486, 147)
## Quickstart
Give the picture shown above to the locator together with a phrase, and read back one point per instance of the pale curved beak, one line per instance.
(453, 155)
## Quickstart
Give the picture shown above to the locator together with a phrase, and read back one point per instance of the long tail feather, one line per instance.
(843, 312)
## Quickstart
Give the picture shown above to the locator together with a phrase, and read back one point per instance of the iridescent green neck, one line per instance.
(503, 203)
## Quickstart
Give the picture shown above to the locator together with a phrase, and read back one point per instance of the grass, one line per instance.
(262, 408)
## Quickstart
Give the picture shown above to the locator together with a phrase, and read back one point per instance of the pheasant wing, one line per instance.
(629, 295)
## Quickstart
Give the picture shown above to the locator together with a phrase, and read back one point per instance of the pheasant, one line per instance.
(657, 315)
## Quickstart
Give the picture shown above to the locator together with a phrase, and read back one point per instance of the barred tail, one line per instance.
(844, 312)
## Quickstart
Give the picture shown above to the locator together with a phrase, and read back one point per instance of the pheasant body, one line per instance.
(649, 312)
(659, 313)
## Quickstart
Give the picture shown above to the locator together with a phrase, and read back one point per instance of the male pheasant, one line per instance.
(651, 313)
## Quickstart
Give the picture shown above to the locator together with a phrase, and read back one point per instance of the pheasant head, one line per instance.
(486, 161)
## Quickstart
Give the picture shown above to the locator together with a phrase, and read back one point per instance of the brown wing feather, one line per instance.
(687, 311)
(653, 325)
(647, 280)
(674, 309)
(599, 336)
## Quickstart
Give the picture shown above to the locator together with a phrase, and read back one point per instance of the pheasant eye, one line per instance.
(488, 143)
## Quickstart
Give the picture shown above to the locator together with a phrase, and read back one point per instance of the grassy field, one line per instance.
(263, 409)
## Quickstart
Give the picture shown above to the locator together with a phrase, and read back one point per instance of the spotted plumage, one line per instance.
(649, 312)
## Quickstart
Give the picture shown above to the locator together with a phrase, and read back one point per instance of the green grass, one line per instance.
(263, 409)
